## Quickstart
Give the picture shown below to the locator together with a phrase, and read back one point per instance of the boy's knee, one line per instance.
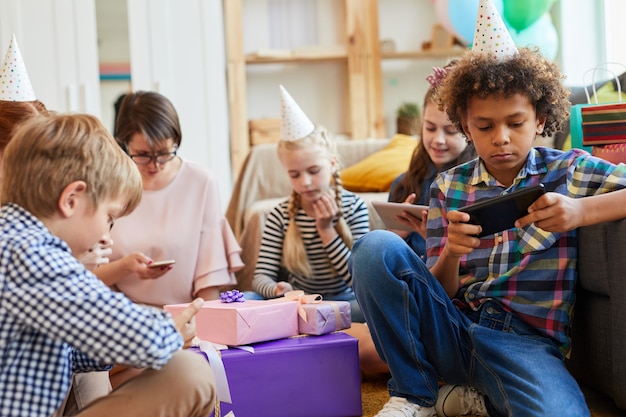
(372, 245)
(192, 374)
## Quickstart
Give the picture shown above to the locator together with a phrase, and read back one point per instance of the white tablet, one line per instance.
(388, 212)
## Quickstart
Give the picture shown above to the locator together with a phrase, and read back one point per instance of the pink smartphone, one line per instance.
(161, 263)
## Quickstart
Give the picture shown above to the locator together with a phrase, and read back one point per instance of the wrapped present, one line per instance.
(604, 124)
(241, 323)
(324, 317)
(614, 153)
(303, 376)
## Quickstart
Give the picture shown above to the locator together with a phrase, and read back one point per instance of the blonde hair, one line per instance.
(294, 252)
(47, 154)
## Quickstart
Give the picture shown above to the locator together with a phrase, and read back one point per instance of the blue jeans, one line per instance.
(422, 336)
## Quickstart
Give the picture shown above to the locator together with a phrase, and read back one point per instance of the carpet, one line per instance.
(374, 396)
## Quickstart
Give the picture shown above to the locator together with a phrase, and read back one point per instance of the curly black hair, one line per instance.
(527, 73)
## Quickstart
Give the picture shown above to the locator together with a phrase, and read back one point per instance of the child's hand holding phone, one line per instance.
(161, 264)
(462, 235)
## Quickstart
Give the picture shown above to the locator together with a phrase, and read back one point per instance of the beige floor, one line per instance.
(374, 393)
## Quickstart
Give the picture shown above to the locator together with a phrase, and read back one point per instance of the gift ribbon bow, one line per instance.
(217, 366)
(234, 296)
(301, 298)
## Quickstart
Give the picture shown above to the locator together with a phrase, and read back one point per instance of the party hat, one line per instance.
(491, 35)
(14, 82)
(294, 123)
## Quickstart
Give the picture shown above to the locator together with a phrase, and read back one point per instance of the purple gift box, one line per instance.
(302, 376)
(325, 317)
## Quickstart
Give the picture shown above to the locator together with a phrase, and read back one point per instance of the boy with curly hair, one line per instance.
(490, 315)
(64, 182)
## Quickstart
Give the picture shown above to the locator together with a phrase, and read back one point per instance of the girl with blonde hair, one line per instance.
(308, 238)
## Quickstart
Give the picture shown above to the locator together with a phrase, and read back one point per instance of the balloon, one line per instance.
(463, 17)
(542, 34)
(459, 17)
(521, 14)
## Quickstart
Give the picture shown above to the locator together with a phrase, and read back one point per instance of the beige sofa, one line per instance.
(263, 183)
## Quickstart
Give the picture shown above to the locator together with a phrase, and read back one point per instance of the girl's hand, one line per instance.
(418, 224)
(325, 210)
(282, 287)
(98, 254)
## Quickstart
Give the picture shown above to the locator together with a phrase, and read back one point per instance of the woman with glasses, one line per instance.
(179, 217)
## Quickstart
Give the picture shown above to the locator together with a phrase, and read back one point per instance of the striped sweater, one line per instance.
(329, 263)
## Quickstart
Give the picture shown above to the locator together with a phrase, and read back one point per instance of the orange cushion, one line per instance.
(376, 172)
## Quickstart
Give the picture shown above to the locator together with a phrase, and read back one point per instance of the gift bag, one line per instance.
(598, 124)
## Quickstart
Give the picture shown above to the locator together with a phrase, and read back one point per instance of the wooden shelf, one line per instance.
(432, 53)
(255, 59)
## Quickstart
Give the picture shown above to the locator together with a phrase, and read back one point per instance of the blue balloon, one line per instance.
(462, 15)
(542, 34)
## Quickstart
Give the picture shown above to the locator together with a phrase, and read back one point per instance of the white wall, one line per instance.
(57, 39)
(581, 29)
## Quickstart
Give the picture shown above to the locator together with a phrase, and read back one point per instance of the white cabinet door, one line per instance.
(58, 41)
(177, 49)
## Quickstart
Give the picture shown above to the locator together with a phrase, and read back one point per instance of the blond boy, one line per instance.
(64, 182)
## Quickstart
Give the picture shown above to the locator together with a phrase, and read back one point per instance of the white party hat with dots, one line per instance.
(294, 123)
(491, 35)
(14, 82)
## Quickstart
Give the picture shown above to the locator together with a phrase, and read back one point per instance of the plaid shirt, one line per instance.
(57, 318)
(530, 271)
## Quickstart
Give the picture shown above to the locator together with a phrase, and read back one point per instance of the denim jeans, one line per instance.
(423, 337)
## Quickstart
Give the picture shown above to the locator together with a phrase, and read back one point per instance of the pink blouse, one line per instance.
(184, 222)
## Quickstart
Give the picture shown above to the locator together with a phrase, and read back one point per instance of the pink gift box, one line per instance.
(304, 376)
(243, 323)
(325, 317)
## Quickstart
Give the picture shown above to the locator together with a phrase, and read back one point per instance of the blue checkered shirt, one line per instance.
(57, 318)
(529, 271)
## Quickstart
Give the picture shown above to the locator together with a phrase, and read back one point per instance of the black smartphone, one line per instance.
(500, 213)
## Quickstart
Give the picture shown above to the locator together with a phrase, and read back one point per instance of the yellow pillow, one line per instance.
(376, 172)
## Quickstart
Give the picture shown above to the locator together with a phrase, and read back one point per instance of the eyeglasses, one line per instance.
(145, 159)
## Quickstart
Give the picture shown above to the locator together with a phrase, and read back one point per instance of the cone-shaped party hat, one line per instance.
(491, 35)
(294, 123)
(14, 82)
